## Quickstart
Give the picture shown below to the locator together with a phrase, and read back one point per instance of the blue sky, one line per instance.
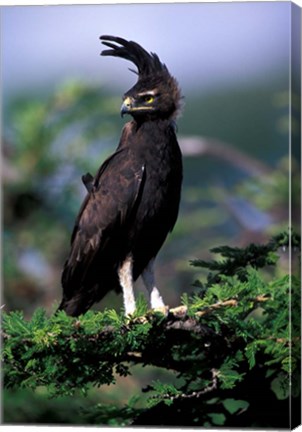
(205, 45)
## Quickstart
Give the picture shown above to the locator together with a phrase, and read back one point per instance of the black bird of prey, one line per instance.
(133, 200)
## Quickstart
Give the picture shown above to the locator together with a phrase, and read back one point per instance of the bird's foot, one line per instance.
(129, 314)
(140, 320)
(164, 310)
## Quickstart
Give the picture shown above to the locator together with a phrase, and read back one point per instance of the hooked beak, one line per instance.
(126, 106)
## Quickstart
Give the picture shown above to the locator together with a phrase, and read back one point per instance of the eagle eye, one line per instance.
(148, 99)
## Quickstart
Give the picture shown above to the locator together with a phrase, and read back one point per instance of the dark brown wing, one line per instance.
(104, 214)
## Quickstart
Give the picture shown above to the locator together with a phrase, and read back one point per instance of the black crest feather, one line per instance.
(146, 63)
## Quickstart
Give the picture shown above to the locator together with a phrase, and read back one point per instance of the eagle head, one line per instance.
(156, 95)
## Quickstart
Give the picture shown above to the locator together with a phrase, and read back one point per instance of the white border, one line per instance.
(96, 2)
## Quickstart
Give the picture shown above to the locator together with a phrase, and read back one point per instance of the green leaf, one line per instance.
(217, 419)
(234, 405)
(280, 386)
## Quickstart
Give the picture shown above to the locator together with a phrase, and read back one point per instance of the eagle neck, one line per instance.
(149, 136)
(157, 126)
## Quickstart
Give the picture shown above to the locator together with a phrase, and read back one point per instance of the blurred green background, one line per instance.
(61, 123)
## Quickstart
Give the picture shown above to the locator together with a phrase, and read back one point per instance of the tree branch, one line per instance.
(200, 146)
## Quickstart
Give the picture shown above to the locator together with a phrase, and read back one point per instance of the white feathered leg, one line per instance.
(126, 281)
(156, 300)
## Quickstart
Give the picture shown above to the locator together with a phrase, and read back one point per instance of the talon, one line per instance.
(140, 320)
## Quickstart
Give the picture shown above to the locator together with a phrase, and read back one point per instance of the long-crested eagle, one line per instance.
(133, 200)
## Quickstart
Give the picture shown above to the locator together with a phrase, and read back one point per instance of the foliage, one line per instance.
(232, 348)
(49, 143)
